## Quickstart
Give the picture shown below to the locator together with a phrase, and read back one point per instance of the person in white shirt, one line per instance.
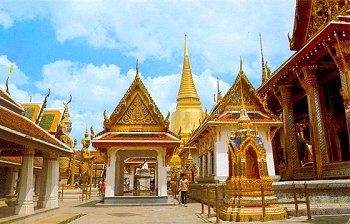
(184, 187)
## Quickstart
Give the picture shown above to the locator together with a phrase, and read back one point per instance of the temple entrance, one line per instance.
(252, 168)
(138, 173)
(140, 176)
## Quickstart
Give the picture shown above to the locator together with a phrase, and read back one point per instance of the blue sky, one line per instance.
(88, 49)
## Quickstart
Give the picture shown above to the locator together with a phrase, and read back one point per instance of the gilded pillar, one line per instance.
(291, 142)
(317, 125)
(342, 60)
(72, 170)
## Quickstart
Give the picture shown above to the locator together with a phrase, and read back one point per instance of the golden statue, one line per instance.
(66, 126)
(64, 129)
(86, 159)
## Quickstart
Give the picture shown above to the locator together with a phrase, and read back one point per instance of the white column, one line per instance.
(25, 203)
(121, 175)
(162, 187)
(132, 177)
(49, 195)
(37, 181)
(110, 175)
(268, 149)
(13, 181)
(221, 159)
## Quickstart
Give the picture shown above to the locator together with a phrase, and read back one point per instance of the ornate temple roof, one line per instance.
(136, 111)
(311, 52)
(26, 132)
(232, 99)
(311, 17)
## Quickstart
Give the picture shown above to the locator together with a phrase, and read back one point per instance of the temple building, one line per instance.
(136, 128)
(211, 137)
(188, 114)
(36, 150)
(312, 92)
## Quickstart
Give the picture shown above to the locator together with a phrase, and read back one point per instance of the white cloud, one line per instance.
(5, 20)
(218, 32)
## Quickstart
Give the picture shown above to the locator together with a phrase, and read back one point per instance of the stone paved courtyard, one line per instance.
(83, 212)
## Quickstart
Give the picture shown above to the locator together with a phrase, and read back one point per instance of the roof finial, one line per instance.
(219, 92)
(240, 83)
(240, 65)
(243, 120)
(186, 49)
(137, 76)
(263, 74)
(7, 85)
(41, 112)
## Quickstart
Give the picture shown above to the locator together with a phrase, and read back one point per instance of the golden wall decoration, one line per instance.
(137, 113)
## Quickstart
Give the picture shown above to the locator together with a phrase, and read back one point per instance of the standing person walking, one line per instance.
(184, 187)
(103, 187)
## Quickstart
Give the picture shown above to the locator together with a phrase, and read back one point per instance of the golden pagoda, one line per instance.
(188, 111)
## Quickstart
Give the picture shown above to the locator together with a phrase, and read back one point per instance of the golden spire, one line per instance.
(263, 74)
(187, 91)
(189, 158)
(137, 76)
(243, 120)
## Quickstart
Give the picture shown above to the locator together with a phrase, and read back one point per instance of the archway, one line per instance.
(252, 167)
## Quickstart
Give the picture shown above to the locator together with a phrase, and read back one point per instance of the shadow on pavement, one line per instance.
(338, 219)
(89, 204)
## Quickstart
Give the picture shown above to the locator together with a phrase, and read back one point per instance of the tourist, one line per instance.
(178, 187)
(99, 187)
(103, 187)
(184, 187)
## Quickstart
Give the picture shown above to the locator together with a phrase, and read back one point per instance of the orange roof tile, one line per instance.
(17, 160)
